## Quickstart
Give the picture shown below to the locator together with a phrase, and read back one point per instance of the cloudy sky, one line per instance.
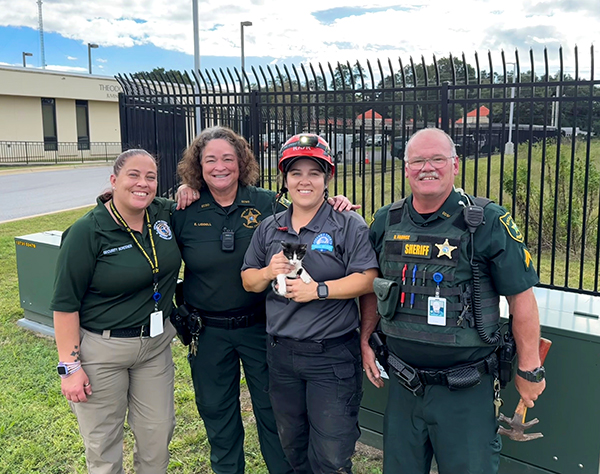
(136, 35)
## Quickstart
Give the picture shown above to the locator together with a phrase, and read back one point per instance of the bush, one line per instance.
(567, 203)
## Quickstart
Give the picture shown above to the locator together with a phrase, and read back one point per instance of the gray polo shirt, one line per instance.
(337, 246)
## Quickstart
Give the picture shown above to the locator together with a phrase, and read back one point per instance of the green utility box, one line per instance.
(568, 409)
(36, 263)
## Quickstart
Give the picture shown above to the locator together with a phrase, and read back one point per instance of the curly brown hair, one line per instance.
(189, 168)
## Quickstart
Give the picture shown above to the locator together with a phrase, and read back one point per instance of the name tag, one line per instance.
(419, 250)
(156, 323)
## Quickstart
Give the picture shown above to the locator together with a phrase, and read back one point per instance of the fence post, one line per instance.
(255, 123)
(444, 107)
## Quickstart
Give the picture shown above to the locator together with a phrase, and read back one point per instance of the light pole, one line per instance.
(25, 56)
(242, 24)
(509, 148)
(90, 47)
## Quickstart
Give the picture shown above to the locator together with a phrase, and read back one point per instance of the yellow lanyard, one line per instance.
(153, 264)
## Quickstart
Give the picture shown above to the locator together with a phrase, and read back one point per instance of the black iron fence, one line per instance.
(526, 138)
(28, 152)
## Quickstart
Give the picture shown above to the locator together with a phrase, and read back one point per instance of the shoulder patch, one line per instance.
(527, 259)
(511, 227)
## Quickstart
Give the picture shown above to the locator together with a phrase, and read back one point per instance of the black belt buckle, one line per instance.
(407, 376)
(240, 322)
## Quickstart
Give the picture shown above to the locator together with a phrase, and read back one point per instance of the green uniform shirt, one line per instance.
(102, 274)
(212, 281)
(501, 254)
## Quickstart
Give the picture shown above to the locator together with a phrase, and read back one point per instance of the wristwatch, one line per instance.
(65, 370)
(322, 291)
(535, 375)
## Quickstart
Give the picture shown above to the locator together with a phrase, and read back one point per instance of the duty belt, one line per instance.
(455, 378)
(232, 321)
(308, 345)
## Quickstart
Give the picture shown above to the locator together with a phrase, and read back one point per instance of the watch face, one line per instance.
(322, 291)
(539, 374)
(62, 370)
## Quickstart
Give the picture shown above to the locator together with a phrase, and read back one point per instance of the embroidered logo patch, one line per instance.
(401, 237)
(511, 227)
(251, 216)
(417, 250)
(163, 230)
(322, 243)
(445, 249)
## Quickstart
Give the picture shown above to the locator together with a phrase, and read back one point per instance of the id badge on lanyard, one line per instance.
(436, 306)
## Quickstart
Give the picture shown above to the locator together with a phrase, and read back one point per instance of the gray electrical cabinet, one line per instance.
(36, 263)
(568, 409)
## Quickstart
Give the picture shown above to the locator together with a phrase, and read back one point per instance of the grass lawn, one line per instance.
(38, 432)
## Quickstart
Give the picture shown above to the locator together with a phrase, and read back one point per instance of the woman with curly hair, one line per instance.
(213, 234)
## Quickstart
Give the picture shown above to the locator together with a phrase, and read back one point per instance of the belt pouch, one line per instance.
(462, 378)
(387, 293)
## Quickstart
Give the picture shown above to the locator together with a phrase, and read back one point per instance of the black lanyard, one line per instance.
(153, 264)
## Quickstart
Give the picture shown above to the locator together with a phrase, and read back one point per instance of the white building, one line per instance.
(54, 113)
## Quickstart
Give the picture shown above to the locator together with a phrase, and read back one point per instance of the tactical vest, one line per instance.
(446, 251)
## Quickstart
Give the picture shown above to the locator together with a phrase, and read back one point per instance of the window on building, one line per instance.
(49, 124)
(83, 126)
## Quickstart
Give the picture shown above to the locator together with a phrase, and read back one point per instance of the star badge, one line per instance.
(445, 249)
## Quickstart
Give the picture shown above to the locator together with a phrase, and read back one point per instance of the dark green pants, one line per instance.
(459, 427)
(216, 376)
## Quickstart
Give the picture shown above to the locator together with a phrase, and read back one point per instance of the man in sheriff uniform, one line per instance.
(443, 270)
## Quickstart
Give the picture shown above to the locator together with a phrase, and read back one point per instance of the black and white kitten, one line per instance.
(294, 253)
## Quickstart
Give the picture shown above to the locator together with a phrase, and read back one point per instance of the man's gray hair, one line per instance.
(439, 131)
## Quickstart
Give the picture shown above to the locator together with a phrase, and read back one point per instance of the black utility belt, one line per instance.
(455, 378)
(140, 331)
(237, 321)
(308, 345)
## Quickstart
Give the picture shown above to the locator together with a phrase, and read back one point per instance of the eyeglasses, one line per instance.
(437, 161)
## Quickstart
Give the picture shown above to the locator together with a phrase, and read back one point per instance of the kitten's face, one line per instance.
(293, 252)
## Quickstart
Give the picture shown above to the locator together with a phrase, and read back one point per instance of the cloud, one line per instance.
(71, 58)
(345, 30)
(100, 60)
(66, 68)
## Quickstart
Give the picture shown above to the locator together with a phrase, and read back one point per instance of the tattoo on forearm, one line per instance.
(75, 354)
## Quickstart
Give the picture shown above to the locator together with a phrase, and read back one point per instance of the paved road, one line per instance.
(29, 193)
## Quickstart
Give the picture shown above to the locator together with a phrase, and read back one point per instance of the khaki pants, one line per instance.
(133, 376)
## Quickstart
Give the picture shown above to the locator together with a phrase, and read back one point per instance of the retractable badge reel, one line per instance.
(436, 306)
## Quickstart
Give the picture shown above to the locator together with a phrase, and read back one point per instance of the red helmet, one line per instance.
(306, 145)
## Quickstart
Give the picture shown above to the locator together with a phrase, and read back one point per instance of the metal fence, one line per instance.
(525, 137)
(28, 153)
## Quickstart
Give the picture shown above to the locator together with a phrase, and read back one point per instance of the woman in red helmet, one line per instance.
(313, 349)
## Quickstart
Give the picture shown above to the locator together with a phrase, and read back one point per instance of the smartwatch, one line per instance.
(535, 375)
(322, 291)
(64, 370)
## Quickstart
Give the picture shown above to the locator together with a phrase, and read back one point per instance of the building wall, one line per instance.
(20, 118)
(66, 126)
(21, 91)
(105, 125)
